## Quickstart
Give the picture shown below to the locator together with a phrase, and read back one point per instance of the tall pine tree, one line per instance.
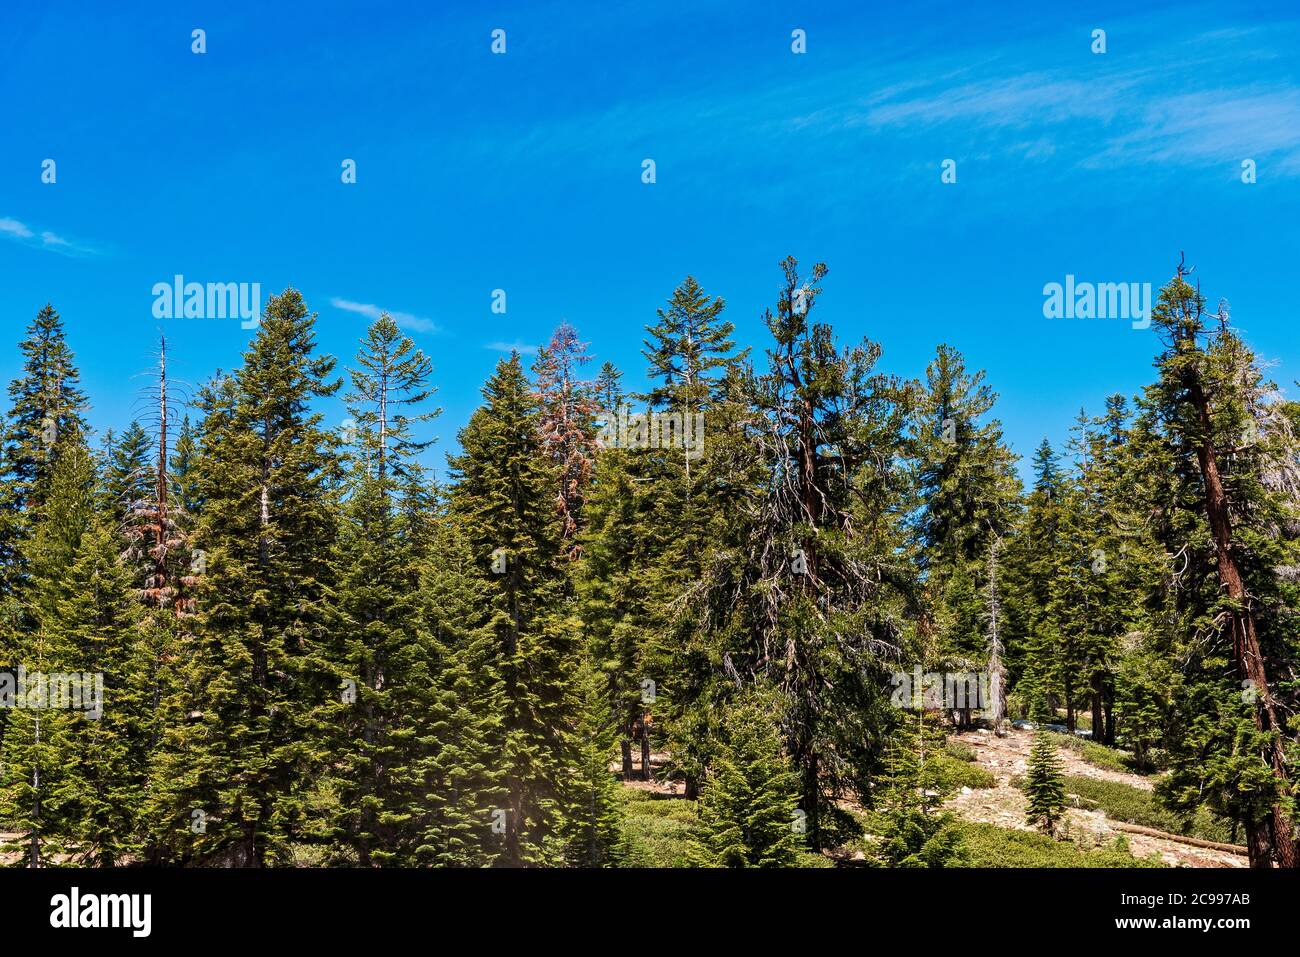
(234, 781)
(501, 495)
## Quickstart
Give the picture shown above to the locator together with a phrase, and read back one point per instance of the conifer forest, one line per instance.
(778, 610)
(648, 475)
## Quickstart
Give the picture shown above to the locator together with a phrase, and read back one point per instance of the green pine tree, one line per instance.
(459, 770)
(687, 347)
(501, 497)
(1044, 784)
(381, 664)
(234, 782)
(814, 592)
(46, 405)
(1228, 521)
(608, 389)
(966, 497)
(392, 377)
(183, 472)
(129, 473)
(748, 809)
(38, 740)
(383, 677)
(107, 754)
(597, 811)
(914, 832)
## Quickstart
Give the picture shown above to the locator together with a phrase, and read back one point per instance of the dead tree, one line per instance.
(997, 672)
(153, 527)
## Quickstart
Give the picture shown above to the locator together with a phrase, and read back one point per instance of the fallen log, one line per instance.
(1179, 838)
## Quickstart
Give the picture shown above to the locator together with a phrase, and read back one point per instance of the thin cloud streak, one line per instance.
(20, 232)
(404, 320)
(1194, 101)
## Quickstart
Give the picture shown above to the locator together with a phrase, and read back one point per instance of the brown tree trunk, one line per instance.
(245, 849)
(1109, 702)
(1098, 719)
(647, 772)
(1275, 832)
(625, 745)
(35, 850)
(812, 801)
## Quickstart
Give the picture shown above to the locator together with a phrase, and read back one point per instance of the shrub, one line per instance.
(677, 809)
(811, 859)
(648, 840)
(1098, 755)
(959, 750)
(953, 774)
(988, 845)
(1123, 802)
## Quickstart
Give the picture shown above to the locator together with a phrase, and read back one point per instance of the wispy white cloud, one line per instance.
(1014, 101)
(1108, 123)
(14, 229)
(20, 232)
(404, 320)
(1167, 97)
(51, 239)
(523, 348)
(1197, 99)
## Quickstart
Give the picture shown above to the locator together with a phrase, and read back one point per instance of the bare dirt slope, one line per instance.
(1004, 805)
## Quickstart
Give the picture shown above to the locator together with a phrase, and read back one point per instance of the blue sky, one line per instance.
(523, 172)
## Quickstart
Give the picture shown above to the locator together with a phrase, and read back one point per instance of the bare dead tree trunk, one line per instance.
(997, 671)
(160, 490)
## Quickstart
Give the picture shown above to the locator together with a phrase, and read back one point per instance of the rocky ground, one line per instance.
(1004, 805)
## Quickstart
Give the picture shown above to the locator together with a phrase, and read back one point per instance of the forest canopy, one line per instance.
(635, 629)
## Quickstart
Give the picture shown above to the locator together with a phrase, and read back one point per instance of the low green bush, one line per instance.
(657, 832)
(1098, 755)
(988, 845)
(1123, 802)
(810, 859)
(648, 840)
(954, 774)
(959, 750)
(677, 809)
